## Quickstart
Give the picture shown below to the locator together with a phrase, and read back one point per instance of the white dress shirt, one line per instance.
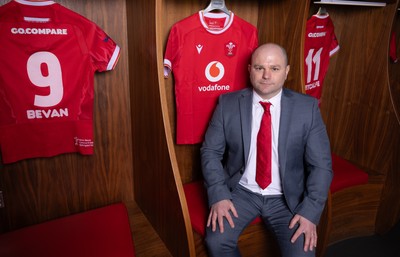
(248, 179)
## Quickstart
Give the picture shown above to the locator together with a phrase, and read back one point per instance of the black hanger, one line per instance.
(217, 5)
(322, 11)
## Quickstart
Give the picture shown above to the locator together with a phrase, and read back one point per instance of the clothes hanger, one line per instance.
(217, 5)
(322, 11)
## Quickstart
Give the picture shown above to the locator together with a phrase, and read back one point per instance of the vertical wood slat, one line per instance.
(158, 189)
(41, 189)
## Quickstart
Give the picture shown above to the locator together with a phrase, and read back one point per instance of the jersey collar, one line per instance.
(227, 25)
(42, 3)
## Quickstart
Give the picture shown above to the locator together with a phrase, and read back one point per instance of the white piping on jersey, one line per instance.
(44, 3)
(167, 68)
(227, 24)
(114, 58)
(334, 51)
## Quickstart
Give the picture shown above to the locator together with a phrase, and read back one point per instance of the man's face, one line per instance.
(268, 71)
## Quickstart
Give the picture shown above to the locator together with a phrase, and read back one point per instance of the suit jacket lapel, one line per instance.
(245, 105)
(286, 112)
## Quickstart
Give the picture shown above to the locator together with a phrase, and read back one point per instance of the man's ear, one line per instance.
(287, 70)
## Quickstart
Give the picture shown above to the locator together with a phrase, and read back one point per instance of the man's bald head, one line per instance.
(270, 46)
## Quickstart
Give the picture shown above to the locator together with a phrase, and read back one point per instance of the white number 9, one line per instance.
(53, 79)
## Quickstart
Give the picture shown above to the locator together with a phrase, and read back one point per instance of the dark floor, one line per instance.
(372, 246)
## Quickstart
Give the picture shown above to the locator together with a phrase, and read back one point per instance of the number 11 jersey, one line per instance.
(320, 44)
(48, 57)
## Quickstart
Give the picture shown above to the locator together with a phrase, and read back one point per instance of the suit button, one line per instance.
(241, 171)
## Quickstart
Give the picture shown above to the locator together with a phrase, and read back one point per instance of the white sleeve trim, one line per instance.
(333, 51)
(114, 58)
(167, 68)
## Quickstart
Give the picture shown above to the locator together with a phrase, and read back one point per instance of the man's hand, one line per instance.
(220, 210)
(307, 228)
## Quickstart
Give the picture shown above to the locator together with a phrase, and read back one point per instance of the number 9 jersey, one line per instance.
(48, 57)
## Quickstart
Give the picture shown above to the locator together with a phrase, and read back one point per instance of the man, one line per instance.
(300, 161)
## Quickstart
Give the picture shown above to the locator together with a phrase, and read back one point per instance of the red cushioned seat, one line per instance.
(103, 232)
(346, 174)
(196, 199)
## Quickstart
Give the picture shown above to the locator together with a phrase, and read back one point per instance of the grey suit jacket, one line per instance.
(305, 162)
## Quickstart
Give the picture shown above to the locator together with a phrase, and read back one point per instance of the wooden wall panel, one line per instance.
(356, 92)
(389, 213)
(394, 68)
(283, 22)
(356, 102)
(156, 185)
(41, 189)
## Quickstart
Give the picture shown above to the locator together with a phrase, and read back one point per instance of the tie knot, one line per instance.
(265, 105)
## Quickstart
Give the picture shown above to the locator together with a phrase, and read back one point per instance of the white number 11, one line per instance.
(316, 59)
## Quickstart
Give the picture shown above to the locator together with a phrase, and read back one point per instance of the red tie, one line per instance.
(264, 146)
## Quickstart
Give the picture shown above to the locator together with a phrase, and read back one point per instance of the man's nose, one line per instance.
(266, 74)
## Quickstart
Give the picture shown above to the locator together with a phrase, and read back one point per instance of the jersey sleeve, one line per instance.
(103, 50)
(334, 47)
(171, 51)
(255, 39)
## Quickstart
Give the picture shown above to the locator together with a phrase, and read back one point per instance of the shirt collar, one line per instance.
(275, 101)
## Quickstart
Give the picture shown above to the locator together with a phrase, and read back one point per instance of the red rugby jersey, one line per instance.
(208, 55)
(320, 44)
(48, 57)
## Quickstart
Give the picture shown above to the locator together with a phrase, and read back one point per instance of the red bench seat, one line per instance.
(103, 232)
(346, 174)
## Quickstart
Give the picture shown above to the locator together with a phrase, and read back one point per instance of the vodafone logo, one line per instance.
(215, 71)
